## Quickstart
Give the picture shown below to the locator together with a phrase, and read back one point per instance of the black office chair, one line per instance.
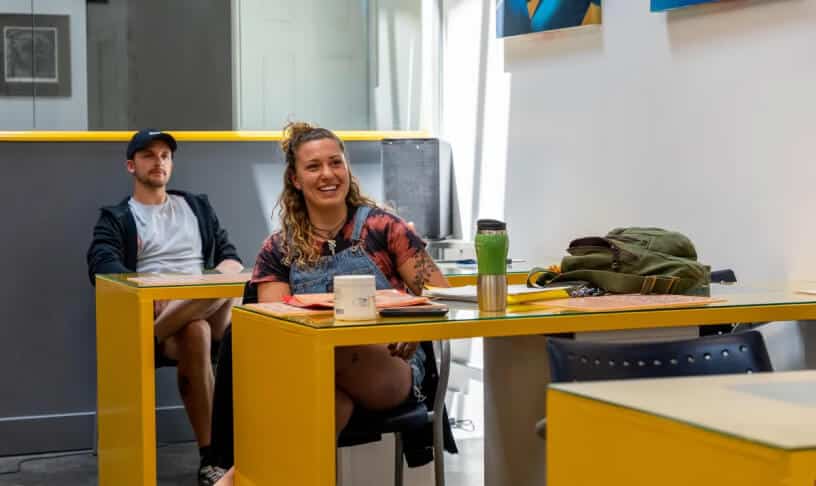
(572, 360)
(364, 426)
(723, 277)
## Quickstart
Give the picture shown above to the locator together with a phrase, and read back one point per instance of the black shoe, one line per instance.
(209, 475)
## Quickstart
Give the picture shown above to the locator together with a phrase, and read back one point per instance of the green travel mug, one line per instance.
(491, 258)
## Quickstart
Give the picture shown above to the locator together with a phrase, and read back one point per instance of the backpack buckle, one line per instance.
(660, 285)
(648, 285)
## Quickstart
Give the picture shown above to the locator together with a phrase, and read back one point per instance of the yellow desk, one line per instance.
(732, 430)
(125, 372)
(284, 368)
(126, 395)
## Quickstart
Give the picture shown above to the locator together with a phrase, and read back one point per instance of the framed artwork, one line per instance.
(35, 55)
(516, 17)
(661, 5)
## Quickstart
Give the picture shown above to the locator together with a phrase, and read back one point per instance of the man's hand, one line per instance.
(229, 267)
(403, 350)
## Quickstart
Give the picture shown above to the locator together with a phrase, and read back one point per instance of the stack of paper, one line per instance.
(516, 294)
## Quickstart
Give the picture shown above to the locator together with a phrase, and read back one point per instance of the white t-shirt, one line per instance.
(169, 240)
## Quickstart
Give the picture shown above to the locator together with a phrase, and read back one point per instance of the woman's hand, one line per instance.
(403, 350)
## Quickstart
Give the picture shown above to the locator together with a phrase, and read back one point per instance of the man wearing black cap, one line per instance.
(160, 230)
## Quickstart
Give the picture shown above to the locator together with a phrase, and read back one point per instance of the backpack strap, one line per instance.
(619, 283)
(537, 273)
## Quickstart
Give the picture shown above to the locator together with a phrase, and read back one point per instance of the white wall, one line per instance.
(397, 54)
(302, 60)
(52, 113)
(699, 121)
(462, 95)
(345, 64)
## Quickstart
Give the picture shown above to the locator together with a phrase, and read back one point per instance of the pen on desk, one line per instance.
(472, 261)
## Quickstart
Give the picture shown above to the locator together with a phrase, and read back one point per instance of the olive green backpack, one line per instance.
(631, 260)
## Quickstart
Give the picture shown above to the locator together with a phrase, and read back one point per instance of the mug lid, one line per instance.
(490, 224)
(352, 279)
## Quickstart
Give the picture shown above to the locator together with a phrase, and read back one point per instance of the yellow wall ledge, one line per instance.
(194, 136)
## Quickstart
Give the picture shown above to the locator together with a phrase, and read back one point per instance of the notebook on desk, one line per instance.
(516, 294)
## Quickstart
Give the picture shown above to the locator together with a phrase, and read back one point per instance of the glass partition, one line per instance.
(216, 64)
(42, 46)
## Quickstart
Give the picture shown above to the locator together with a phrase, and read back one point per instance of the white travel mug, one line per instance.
(354, 298)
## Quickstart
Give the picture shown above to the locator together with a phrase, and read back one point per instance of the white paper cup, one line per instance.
(354, 298)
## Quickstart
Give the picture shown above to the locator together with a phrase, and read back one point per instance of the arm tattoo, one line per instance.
(424, 268)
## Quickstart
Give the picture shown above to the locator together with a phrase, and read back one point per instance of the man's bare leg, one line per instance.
(191, 348)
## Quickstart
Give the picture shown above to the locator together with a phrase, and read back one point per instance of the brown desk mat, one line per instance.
(609, 303)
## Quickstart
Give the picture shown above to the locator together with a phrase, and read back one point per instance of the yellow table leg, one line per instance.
(125, 388)
(284, 434)
(592, 443)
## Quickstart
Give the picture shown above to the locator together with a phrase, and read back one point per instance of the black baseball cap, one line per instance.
(143, 138)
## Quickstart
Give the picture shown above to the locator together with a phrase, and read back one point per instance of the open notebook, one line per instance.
(516, 294)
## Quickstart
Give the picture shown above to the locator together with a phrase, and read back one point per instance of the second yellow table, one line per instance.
(732, 430)
(284, 368)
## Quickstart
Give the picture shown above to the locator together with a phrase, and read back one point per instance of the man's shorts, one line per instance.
(160, 360)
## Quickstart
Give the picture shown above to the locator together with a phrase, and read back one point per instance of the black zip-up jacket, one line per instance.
(114, 245)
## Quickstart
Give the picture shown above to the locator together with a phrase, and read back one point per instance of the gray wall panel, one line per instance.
(179, 61)
(49, 202)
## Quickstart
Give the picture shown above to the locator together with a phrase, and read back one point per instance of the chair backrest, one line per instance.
(572, 360)
(725, 275)
(250, 293)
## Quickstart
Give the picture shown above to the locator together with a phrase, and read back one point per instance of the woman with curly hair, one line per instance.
(328, 228)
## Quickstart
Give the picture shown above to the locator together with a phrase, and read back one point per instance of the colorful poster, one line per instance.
(661, 5)
(516, 17)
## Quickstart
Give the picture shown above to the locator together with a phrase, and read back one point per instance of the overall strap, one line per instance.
(359, 220)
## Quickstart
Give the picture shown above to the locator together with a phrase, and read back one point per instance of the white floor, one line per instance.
(467, 467)
(372, 465)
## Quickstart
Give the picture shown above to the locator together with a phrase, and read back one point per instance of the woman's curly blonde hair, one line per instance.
(297, 232)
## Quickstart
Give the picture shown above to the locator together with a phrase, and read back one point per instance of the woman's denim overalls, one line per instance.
(351, 261)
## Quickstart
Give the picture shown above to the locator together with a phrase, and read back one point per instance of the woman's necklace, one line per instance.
(329, 234)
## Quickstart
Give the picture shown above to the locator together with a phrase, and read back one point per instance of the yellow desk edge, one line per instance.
(194, 136)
